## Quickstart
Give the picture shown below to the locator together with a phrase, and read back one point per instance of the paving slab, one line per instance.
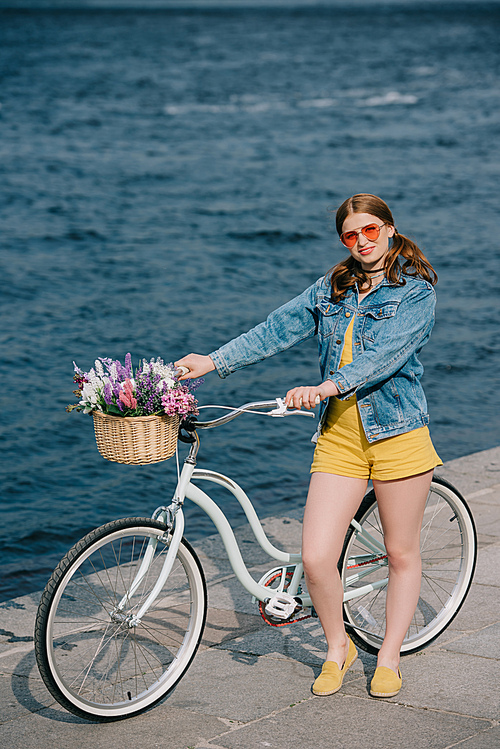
(473, 472)
(21, 696)
(229, 593)
(480, 608)
(487, 496)
(487, 739)
(241, 686)
(485, 644)
(224, 625)
(54, 728)
(488, 566)
(487, 519)
(303, 641)
(347, 722)
(19, 661)
(17, 619)
(446, 681)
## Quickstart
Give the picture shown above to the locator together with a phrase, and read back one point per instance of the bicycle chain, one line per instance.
(279, 622)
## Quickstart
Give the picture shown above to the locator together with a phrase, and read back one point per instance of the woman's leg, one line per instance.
(401, 506)
(332, 502)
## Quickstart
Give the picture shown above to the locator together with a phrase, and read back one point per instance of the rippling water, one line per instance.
(167, 178)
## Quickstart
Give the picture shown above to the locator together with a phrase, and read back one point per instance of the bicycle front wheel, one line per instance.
(449, 551)
(95, 659)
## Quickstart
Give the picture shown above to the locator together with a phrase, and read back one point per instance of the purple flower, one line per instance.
(193, 385)
(128, 365)
(108, 393)
(116, 387)
(120, 371)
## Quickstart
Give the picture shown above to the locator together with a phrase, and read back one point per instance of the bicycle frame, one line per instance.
(173, 517)
(186, 489)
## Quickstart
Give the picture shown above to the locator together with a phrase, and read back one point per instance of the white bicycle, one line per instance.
(123, 613)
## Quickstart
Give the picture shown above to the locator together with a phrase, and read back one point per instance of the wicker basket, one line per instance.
(137, 440)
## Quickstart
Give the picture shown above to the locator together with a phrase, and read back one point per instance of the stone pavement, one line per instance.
(250, 685)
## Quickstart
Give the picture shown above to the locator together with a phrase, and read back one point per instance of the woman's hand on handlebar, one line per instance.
(309, 397)
(197, 364)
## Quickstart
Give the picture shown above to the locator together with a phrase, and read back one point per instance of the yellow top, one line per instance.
(347, 409)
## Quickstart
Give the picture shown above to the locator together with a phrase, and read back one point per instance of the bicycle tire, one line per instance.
(93, 661)
(449, 553)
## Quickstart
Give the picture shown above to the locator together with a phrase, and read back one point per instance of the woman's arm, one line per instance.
(291, 323)
(297, 397)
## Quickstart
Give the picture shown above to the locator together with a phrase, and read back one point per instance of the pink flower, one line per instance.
(127, 395)
(179, 401)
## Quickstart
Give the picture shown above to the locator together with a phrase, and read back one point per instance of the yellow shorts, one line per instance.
(343, 449)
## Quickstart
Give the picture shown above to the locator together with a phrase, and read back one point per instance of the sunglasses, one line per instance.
(371, 232)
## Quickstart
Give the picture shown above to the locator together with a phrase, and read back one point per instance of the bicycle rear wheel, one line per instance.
(449, 552)
(94, 660)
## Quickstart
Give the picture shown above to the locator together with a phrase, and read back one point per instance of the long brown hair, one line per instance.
(349, 273)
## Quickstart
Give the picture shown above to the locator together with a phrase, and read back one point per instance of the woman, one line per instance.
(372, 313)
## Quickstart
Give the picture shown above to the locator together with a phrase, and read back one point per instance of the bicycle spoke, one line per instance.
(431, 583)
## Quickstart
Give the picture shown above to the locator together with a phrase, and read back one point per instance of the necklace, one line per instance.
(382, 273)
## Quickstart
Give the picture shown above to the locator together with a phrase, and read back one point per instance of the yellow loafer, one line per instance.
(331, 677)
(385, 682)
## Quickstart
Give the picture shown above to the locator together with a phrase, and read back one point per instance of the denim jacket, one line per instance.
(392, 324)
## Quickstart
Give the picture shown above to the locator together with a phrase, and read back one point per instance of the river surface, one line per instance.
(168, 179)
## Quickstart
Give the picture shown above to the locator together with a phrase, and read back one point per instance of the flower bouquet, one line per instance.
(136, 416)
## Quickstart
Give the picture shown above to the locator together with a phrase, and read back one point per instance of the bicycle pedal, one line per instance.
(282, 606)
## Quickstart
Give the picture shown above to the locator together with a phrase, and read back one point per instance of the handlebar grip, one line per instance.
(316, 401)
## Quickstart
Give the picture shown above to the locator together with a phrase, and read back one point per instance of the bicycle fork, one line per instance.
(175, 539)
(173, 517)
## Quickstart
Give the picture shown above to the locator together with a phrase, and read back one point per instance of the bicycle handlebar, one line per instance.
(277, 407)
(255, 406)
(190, 424)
